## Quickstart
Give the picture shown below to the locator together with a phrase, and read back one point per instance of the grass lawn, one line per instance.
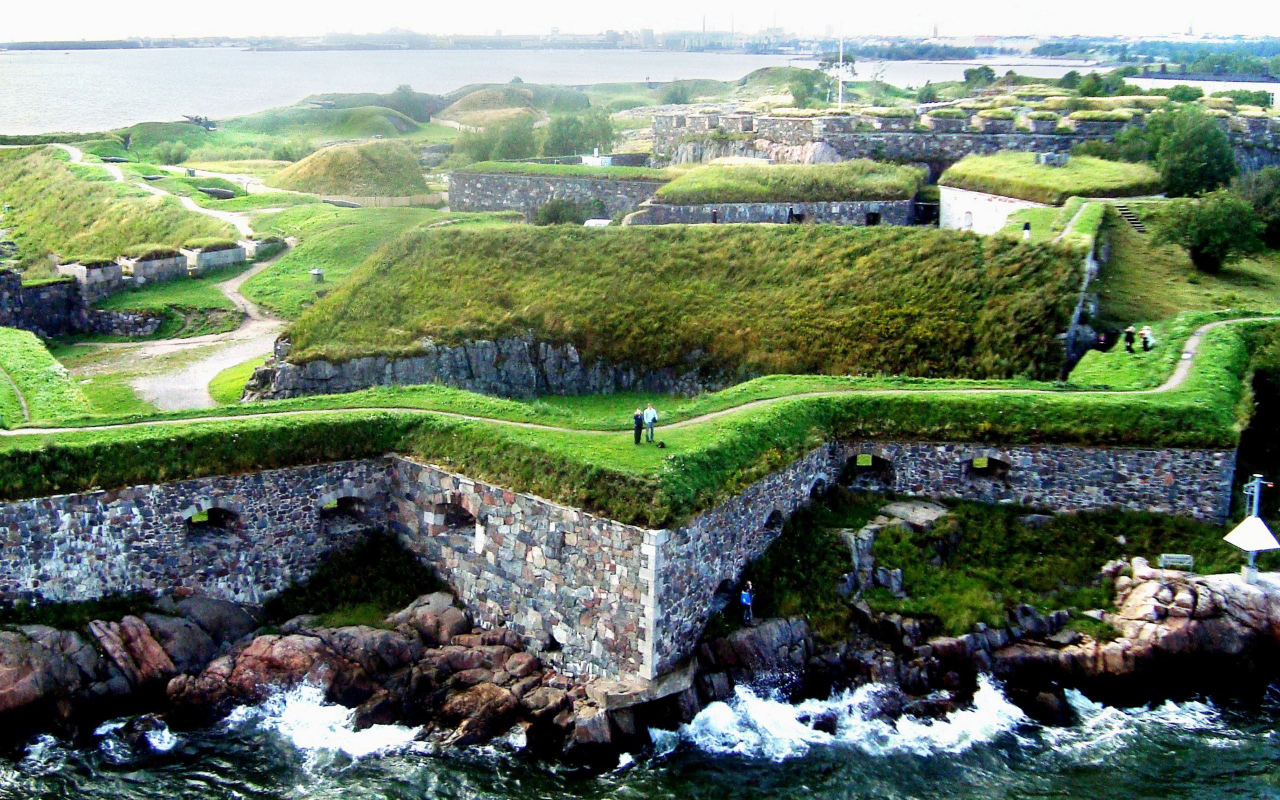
(849, 180)
(1146, 282)
(745, 299)
(1017, 175)
(1042, 223)
(192, 306)
(382, 169)
(228, 385)
(37, 376)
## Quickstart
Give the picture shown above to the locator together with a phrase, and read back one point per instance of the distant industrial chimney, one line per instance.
(935, 30)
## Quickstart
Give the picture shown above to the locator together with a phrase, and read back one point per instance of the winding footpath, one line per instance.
(1179, 376)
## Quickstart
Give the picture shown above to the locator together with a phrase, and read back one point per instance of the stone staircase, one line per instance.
(1127, 214)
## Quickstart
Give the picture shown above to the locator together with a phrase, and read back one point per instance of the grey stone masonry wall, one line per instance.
(527, 193)
(48, 310)
(85, 546)
(515, 367)
(201, 261)
(1193, 483)
(576, 587)
(892, 212)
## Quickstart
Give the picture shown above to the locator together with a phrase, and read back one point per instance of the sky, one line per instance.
(81, 19)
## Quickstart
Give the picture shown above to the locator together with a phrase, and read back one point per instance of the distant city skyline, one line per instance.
(78, 19)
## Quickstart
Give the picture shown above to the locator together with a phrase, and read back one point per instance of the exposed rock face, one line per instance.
(514, 367)
(1180, 633)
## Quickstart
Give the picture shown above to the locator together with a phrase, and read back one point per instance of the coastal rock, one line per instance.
(188, 646)
(480, 713)
(771, 653)
(131, 647)
(223, 620)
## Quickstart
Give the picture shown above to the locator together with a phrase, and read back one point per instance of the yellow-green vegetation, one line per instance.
(479, 105)
(336, 240)
(1018, 175)
(228, 385)
(569, 171)
(368, 169)
(860, 179)
(1148, 282)
(190, 306)
(751, 299)
(55, 212)
(33, 386)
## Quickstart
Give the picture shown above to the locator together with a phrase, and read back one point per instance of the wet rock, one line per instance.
(223, 620)
(134, 651)
(374, 649)
(773, 652)
(480, 713)
(188, 646)
(381, 709)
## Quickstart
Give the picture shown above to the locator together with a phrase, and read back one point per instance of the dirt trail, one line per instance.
(1177, 379)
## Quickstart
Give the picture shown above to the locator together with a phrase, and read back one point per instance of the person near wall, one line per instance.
(1130, 336)
(746, 599)
(638, 419)
(650, 420)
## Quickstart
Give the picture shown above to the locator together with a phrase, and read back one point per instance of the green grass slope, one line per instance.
(40, 379)
(383, 169)
(55, 212)
(1017, 175)
(754, 299)
(325, 123)
(860, 179)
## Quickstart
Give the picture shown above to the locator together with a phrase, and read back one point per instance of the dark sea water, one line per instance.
(750, 748)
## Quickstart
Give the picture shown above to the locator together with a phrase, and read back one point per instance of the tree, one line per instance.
(1261, 190)
(676, 94)
(1195, 155)
(515, 139)
(927, 94)
(806, 85)
(1070, 81)
(1216, 229)
(579, 133)
(1181, 93)
(978, 77)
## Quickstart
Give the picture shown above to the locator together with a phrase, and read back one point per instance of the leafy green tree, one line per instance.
(516, 139)
(1262, 191)
(927, 94)
(562, 211)
(978, 77)
(807, 85)
(579, 133)
(1070, 81)
(1181, 93)
(1245, 97)
(1195, 155)
(1215, 229)
(408, 102)
(676, 94)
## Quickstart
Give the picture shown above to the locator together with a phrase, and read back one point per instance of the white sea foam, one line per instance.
(312, 725)
(762, 727)
(1104, 730)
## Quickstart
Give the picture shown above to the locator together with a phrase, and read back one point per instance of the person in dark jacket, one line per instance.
(638, 419)
(1130, 336)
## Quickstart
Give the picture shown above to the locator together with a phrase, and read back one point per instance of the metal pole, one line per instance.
(1253, 490)
(840, 73)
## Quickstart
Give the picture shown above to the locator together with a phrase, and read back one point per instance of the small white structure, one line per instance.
(597, 223)
(597, 160)
(963, 210)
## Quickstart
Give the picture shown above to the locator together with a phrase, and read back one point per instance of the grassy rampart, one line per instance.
(1017, 175)
(849, 180)
(41, 380)
(772, 299)
(369, 169)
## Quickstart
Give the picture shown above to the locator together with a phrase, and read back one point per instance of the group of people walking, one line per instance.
(1131, 336)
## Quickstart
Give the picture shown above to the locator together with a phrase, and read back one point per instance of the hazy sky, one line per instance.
(80, 19)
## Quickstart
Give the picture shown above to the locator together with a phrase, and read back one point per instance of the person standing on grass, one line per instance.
(638, 419)
(1148, 338)
(1130, 336)
(748, 596)
(650, 419)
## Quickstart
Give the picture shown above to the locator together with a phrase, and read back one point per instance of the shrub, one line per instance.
(927, 94)
(676, 94)
(859, 179)
(978, 77)
(1180, 93)
(579, 133)
(515, 139)
(1195, 155)
(1244, 97)
(1262, 190)
(1215, 229)
(170, 152)
(562, 211)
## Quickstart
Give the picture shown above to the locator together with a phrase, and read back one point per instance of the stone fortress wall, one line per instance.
(58, 308)
(589, 594)
(527, 193)
(853, 212)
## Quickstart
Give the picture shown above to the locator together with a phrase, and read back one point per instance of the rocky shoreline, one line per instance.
(196, 658)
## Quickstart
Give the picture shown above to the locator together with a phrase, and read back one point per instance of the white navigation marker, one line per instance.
(1252, 535)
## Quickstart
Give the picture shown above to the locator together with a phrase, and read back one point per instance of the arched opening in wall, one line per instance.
(213, 520)
(818, 489)
(723, 596)
(867, 471)
(343, 508)
(986, 468)
(553, 644)
(968, 220)
(774, 521)
(873, 218)
(455, 515)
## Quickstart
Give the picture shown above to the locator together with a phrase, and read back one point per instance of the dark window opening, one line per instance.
(213, 520)
(774, 521)
(553, 644)
(818, 490)
(455, 516)
(987, 467)
(873, 218)
(350, 507)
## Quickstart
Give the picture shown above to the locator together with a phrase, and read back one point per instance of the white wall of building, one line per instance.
(982, 213)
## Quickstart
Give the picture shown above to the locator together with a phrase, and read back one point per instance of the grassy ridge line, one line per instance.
(38, 379)
(860, 179)
(380, 168)
(607, 475)
(567, 171)
(1017, 175)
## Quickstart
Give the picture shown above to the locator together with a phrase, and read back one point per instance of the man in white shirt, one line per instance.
(650, 419)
